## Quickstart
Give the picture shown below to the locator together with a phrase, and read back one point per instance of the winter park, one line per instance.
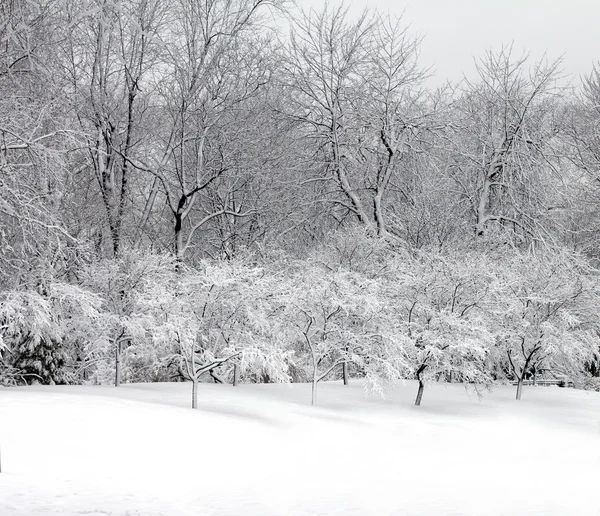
(274, 257)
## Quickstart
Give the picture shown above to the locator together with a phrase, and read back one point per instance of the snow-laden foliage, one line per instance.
(434, 325)
(205, 319)
(379, 314)
(123, 344)
(323, 316)
(546, 314)
(42, 330)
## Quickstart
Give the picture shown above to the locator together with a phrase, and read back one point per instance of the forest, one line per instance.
(251, 191)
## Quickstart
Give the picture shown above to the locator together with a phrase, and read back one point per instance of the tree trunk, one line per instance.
(383, 184)
(519, 388)
(345, 373)
(179, 250)
(482, 208)
(314, 387)
(118, 363)
(341, 176)
(194, 393)
(419, 393)
(378, 213)
(236, 374)
(149, 203)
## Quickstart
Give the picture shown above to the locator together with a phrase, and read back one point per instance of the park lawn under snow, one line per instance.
(263, 450)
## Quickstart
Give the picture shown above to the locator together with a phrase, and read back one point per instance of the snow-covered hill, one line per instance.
(260, 450)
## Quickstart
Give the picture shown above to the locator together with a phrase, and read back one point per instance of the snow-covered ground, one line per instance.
(263, 450)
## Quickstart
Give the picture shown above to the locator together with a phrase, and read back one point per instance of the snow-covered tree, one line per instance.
(209, 316)
(124, 352)
(546, 315)
(502, 132)
(323, 315)
(355, 250)
(435, 323)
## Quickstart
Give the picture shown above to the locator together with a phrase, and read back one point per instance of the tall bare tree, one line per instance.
(581, 134)
(34, 144)
(110, 54)
(353, 89)
(501, 157)
(210, 71)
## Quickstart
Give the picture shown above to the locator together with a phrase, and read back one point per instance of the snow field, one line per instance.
(262, 450)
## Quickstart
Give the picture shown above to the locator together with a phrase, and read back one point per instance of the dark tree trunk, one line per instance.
(194, 393)
(419, 393)
(345, 373)
(519, 388)
(178, 238)
(118, 363)
(419, 376)
(236, 374)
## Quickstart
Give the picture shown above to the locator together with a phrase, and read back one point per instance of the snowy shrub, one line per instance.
(592, 384)
(41, 327)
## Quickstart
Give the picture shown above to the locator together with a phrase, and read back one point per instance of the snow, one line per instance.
(263, 450)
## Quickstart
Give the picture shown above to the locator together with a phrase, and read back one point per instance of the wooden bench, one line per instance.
(546, 382)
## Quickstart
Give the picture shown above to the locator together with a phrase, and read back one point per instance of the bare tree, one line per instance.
(110, 54)
(35, 239)
(209, 73)
(501, 157)
(396, 111)
(581, 134)
(326, 60)
(353, 90)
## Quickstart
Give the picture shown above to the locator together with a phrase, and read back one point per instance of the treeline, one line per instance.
(240, 190)
(355, 306)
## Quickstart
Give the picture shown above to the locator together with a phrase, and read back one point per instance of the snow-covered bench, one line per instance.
(561, 382)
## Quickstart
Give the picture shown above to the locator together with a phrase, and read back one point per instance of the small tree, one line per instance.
(545, 315)
(324, 312)
(436, 319)
(122, 282)
(209, 316)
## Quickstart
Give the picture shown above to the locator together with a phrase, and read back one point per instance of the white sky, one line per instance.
(456, 30)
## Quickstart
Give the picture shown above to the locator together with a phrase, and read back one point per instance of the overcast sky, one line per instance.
(456, 30)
